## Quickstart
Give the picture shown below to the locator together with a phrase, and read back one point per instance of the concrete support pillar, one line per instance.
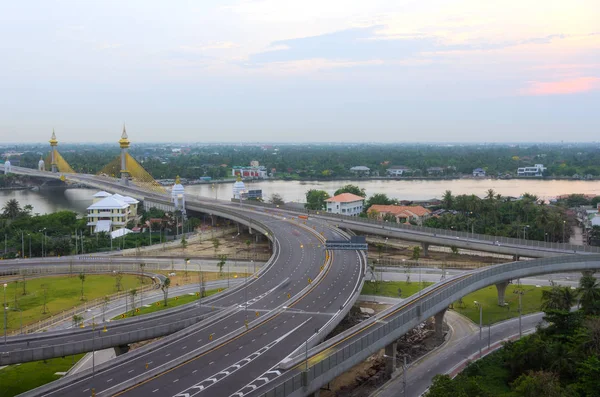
(425, 247)
(390, 359)
(501, 287)
(516, 258)
(439, 325)
(316, 393)
(213, 220)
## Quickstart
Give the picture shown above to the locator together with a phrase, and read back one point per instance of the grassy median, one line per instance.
(160, 305)
(45, 297)
(17, 379)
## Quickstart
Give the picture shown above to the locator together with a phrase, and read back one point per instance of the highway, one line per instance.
(236, 361)
(288, 275)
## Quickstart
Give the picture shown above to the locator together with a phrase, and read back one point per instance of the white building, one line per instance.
(238, 188)
(398, 170)
(7, 167)
(360, 170)
(178, 195)
(479, 173)
(112, 212)
(345, 204)
(254, 171)
(536, 170)
(41, 165)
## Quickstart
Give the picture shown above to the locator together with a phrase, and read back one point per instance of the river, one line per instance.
(77, 200)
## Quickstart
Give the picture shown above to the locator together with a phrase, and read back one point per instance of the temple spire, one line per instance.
(124, 141)
(53, 141)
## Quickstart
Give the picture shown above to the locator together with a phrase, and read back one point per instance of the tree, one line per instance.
(82, 279)
(589, 294)
(351, 189)
(12, 209)
(118, 281)
(448, 200)
(416, 253)
(377, 199)
(315, 199)
(538, 383)
(77, 319)
(221, 263)
(216, 244)
(276, 199)
(248, 242)
(183, 241)
(133, 293)
(558, 298)
(165, 289)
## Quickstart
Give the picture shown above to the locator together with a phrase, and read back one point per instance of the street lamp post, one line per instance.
(520, 292)
(563, 239)
(524, 231)
(4, 307)
(29, 244)
(478, 304)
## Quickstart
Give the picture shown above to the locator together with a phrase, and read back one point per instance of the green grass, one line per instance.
(62, 293)
(390, 288)
(172, 302)
(492, 313)
(17, 379)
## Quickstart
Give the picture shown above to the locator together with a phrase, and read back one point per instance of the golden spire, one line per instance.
(177, 180)
(53, 141)
(124, 141)
(239, 178)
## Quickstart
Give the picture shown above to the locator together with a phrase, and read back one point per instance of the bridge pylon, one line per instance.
(129, 170)
(57, 162)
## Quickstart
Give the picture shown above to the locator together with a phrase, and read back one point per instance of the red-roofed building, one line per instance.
(402, 213)
(345, 204)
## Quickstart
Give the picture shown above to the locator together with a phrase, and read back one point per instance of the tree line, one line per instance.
(560, 360)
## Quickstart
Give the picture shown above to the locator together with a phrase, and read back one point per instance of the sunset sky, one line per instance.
(278, 70)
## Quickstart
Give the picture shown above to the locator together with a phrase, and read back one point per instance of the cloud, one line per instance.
(372, 43)
(562, 87)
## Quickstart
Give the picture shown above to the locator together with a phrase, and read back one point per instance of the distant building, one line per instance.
(536, 170)
(398, 170)
(479, 173)
(7, 167)
(402, 213)
(253, 171)
(435, 171)
(238, 188)
(112, 212)
(360, 170)
(345, 204)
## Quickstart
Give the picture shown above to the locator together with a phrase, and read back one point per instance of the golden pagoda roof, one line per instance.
(53, 141)
(124, 141)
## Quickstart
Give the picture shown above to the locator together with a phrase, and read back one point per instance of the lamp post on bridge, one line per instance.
(478, 304)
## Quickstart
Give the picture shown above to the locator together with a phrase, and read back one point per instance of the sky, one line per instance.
(294, 71)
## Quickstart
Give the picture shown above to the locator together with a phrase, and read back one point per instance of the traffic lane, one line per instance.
(420, 376)
(231, 354)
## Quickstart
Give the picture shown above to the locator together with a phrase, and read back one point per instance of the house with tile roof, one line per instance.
(345, 204)
(402, 213)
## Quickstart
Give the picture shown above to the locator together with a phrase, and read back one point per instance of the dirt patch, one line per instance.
(366, 377)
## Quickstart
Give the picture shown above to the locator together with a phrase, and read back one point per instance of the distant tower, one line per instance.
(7, 167)
(124, 143)
(41, 165)
(178, 195)
(238, 188)
(53, 145)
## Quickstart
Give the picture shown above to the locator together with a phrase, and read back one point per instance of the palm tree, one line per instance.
(12, 209)
(448, 200)
(589, 294)
(558, 298)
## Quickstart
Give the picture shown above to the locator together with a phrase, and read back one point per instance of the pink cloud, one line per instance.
(570, 86)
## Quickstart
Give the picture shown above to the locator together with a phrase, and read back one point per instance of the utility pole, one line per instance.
(520, 292)
(4, 307)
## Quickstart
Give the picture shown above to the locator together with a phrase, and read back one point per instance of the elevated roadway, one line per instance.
(300, 377)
